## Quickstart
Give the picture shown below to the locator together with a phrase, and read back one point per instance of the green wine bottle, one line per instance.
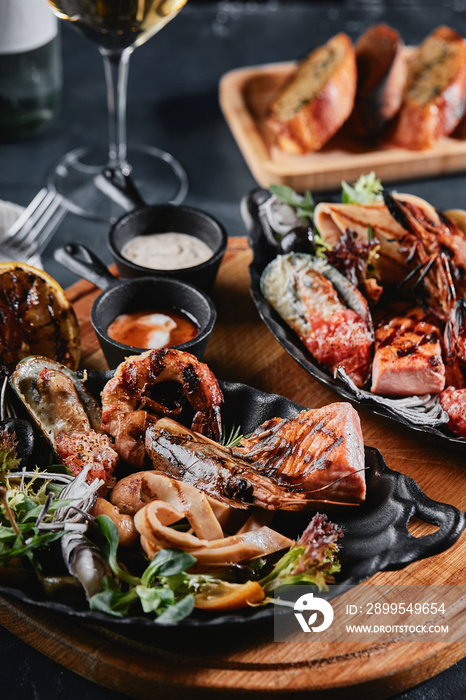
(30, 68)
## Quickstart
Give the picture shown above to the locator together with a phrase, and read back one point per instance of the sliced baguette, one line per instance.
(317, 100)
(382, 72)
(435, 96)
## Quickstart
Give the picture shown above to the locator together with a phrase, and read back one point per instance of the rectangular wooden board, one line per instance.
(244, 97)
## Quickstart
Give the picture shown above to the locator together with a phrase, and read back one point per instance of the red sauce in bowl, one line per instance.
(152, 329)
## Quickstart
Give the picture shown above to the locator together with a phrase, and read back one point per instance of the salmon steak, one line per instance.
(320, 451)
(408, 357)
(325, 310)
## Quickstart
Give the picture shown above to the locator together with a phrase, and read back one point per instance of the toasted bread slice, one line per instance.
(317, 100)
(435, 96)
(382, 72)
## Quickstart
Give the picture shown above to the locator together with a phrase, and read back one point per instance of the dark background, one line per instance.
(173, 98)
(173, 104)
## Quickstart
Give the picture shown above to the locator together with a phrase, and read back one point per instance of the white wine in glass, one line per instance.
(117, 27)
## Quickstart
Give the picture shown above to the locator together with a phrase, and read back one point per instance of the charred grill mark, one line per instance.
(129, 378)
(157, 363)
(423, 340)
(164, 448)
(287, 456)
(390, 337)
(191, 379)
(29, 318)
(323, 461)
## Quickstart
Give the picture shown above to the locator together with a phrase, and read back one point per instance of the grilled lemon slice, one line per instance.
(36, 318)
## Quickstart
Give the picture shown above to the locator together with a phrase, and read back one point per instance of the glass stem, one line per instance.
(116, 77)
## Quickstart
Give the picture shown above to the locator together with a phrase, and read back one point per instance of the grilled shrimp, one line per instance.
(128, 406)
(438, 251)
(180, 454)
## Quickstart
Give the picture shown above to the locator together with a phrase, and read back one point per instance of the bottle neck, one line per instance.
(25, 25)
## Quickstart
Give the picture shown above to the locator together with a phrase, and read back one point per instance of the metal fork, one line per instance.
(27, 237)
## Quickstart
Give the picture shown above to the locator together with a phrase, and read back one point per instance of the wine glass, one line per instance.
(117, 27)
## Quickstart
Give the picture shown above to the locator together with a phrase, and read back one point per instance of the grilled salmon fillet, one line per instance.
(338, 336)
(325, 310)
(321, 452)
(408, 357)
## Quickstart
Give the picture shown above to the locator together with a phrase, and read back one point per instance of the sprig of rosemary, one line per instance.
(233, 437)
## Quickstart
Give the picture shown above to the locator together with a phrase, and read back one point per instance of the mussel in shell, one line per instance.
(55, 398)
(67, 415)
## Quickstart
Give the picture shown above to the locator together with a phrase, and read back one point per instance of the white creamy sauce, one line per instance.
(166, 251)
(158, 331)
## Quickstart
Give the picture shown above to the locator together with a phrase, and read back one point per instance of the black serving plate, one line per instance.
(375, 534)
(263, 253)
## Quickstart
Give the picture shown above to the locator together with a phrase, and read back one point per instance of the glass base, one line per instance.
(158, 177)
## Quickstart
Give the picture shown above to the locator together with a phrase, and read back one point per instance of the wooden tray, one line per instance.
(244, 97)
(242, 349)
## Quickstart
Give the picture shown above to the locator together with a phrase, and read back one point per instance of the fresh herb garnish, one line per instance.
(304, 204)
(165, 588)
(20, 507)
(162, 588)
(351, 255)
(366, 190)
(310, 560)
(234, 437)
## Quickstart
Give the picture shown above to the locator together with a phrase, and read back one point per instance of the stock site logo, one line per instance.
(307, 603)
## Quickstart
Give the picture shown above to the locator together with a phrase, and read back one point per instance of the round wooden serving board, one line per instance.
(242, 349)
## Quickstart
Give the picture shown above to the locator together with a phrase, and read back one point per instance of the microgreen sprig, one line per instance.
(304, 204)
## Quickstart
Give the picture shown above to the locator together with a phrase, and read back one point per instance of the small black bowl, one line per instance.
(139, 294)
(165, 218)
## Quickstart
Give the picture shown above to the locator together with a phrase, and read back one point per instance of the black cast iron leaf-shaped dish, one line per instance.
(375, 534)
(263, 252)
